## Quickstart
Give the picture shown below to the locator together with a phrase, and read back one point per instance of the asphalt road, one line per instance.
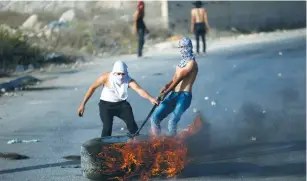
(254, 131)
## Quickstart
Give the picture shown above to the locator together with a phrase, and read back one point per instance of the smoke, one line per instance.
(252, 124)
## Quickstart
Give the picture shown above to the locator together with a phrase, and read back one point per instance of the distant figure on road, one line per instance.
(199, 24)
(139, 26)
(113, 98)
(179, 100)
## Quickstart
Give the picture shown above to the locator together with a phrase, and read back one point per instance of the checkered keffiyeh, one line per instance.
(186, 51)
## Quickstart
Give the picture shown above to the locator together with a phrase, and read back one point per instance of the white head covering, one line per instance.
(119, 83)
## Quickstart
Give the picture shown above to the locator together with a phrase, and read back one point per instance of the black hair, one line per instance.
(198, 4)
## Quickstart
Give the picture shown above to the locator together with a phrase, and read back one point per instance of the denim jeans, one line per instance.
(176, 103)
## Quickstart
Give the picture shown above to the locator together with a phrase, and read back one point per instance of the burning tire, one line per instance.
(145, 156)
(91, 164)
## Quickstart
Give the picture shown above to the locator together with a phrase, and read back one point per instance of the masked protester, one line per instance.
(139, 26)
(113, 98)
(180, 89)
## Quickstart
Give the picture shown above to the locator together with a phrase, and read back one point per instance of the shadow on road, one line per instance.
(216, 161)
(47, 88)
(22, 169)
(253, 149)
(230, 169)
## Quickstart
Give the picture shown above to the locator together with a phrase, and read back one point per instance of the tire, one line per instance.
(91, 165)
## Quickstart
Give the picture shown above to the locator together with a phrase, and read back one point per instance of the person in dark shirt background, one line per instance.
(139, 26)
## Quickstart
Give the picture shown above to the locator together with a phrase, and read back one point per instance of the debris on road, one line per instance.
(254, 138)
(13, 156)
(11, 94)
(22, 141)
(280, 53)
(206, 98)
(72, 157)
(213, 103)
(279, 74)
(18, 84)
(76, 166)
(195, 110)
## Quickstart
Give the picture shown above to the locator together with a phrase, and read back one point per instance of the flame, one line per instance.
(163, 156)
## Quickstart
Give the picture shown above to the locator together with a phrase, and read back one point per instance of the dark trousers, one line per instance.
(200, 31)
(141, 34)
(121, 110)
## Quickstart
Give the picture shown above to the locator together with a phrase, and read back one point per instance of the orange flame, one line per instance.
(165, 156)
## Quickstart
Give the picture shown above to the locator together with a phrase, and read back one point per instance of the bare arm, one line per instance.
(135, 17)
(138, 89)
(206, 19)
(100, 81)
(192, 21)
(179, 75)
(168, 84)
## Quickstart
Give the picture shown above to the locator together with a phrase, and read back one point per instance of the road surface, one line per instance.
(252, 97)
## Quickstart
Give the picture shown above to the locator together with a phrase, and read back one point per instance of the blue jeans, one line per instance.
(175, 103)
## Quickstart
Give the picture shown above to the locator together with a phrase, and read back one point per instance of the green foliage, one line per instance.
(14, 49)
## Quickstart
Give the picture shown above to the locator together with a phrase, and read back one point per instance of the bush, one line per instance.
(14, 49)
(93, 32)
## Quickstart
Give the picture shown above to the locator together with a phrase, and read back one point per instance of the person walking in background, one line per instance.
(199, 24)
(139, 26)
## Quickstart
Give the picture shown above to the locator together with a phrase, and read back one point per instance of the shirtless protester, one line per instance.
(180, 89)
(199, 24)
(113, 98)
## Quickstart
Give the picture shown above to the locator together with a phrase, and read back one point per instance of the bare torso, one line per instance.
(187, 83)
(199, 15)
